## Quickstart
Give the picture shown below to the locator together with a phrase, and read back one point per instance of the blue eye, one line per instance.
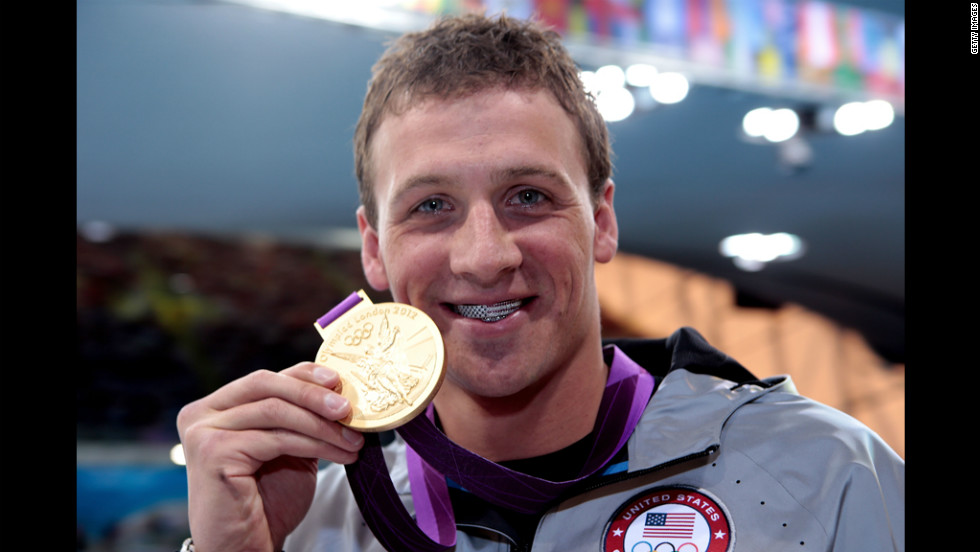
(432, 205)
(528, 197)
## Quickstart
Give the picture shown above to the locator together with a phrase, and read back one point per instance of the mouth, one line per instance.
(490, 313)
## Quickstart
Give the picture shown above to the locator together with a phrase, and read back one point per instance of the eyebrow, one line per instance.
(512, 173)
(419, 182)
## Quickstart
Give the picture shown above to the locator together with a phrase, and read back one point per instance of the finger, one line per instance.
(315, 373)
(275, 413)
(301, 391)
(269, 444)
(243, 451)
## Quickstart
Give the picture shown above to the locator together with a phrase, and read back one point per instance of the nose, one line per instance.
(483, 249)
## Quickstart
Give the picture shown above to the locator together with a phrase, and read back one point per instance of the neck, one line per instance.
(547, 417)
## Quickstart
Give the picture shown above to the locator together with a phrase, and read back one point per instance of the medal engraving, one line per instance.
(390, 359)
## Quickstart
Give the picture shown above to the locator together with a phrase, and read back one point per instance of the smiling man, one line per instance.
(485, 179)
(485, 221)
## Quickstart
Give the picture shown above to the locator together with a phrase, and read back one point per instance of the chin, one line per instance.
(496, 378)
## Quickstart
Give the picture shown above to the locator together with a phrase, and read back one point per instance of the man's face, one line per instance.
(485, 223)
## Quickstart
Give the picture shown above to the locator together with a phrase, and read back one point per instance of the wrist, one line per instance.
(188, 546)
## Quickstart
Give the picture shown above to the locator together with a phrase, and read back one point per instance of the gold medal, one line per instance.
(390, 358)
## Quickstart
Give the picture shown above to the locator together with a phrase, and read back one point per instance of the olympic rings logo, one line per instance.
(357, 336)
(662, 547)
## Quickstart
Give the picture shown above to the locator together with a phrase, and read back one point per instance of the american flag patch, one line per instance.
(674, 525)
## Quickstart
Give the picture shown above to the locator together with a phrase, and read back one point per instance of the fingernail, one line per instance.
(321, 375)
(336, 402)
(351, 436)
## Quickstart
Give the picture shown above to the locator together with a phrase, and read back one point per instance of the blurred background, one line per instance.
(760, 176)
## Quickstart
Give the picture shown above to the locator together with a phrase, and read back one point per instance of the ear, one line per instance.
(371, 261)
(606, 228)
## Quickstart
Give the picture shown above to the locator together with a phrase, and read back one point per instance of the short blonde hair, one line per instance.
(467, 54)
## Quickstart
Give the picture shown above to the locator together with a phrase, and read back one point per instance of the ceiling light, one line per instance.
(754, 122)
(615, 104)
(669, 88)
(878, 114)
(781, 125)
(610, 76)
(856, 117)
(849, 119)
(589, 82)
(640, 75)
(775, 125)
(752, 251)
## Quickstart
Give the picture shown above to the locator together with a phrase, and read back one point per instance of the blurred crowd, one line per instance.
(165, 318)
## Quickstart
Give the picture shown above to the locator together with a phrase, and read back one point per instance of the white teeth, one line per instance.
(489, 313)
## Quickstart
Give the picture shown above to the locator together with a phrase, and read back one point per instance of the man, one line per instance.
(484, 173)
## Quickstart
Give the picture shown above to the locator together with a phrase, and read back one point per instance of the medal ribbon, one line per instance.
(342, 307)
(432, 457)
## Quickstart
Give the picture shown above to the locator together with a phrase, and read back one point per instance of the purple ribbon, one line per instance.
(432, 457)
(342, 307)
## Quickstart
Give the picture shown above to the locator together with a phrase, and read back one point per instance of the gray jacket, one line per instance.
(714, 466)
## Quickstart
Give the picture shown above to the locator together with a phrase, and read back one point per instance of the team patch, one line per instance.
(669, 519)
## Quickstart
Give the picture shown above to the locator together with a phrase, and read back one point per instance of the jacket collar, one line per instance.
(699, 387)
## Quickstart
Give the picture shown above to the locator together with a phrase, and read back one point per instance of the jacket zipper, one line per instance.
(630, 475)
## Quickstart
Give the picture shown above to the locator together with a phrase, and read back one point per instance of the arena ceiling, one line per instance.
(214, 117)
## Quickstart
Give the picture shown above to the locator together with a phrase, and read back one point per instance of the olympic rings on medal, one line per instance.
(357, 336)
